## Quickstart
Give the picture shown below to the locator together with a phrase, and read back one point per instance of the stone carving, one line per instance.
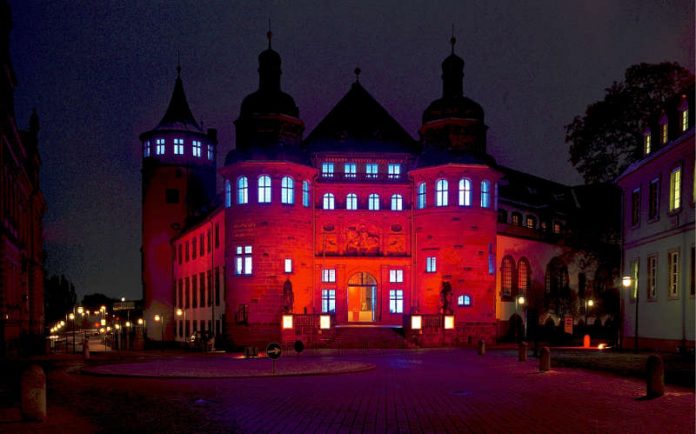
(446, 297)
(396, 245)
(288, 297)
(360, 241)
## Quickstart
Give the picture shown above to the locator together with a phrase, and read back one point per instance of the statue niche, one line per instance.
(361, 241)
(288, 297)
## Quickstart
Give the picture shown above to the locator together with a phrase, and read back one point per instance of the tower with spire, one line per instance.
(178, 184)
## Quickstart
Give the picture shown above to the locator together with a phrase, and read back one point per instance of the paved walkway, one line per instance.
(431, 391)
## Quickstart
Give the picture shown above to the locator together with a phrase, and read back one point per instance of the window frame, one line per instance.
(441, 192)
(464, 192)
(327, 169)
(485, 194)
(242, 190)
(287, 190)
(264, 189)
(328, 201)
(396, 301)
(397, 202)
(421, 195)
(431, 264)
(373, 202)
(673, 273)
(351, 201)
(675, 190)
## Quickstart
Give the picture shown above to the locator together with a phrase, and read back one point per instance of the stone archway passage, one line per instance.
(362, 297)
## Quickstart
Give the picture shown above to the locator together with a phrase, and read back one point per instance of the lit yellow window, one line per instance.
(675, 189)
(647, 143)
(685, 119)
(663, 133)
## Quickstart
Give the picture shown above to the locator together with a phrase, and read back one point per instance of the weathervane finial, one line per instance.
(357, 72)
(178, 63)
(269, 34)
(453, 40)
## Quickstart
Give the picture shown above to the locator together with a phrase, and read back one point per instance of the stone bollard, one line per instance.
(85, 349)
(655, 377)
(33, 391)
(481, 347)
(522, 352)
(586, 341)
(545, 360)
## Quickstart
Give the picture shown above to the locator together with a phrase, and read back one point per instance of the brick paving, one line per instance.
(430, 391)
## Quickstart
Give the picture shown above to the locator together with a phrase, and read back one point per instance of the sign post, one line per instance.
(273, 350)
(568, 325)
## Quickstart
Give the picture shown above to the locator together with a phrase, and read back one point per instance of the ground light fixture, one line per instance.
(287, 322)
(416, 322)
(449, 322)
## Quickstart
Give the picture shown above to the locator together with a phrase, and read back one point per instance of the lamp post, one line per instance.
(588, 303)
(72, 318)
(629, 282)
(160, 318)
(128, 327)
(520, 301)
(181, 313)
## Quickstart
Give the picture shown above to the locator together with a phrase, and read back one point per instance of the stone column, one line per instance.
(545, 360)
(33, 391)
(481, 347)
(522, 352)
(655, 377)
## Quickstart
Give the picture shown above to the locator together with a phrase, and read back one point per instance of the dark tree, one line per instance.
(60, 298)
(608, 137)
(97, 300)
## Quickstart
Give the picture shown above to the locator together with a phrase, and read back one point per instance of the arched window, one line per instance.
(556, 277)
(373, 202)
(464, 300)
(242, 190)
(502, 216)
(421, 195)
(523, 276)
(228, 193)
(465, 192)
(507, 268)
(530, 222)
(352, 201)
(441, 192)
(397, 202)
(287, 190)
(516, 219)
(264, 189)
(305, 193)
(329, 201)
(485, 193)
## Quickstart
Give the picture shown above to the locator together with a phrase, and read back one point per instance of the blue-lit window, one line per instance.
(242, 260)
(287, 190)
(352, 201)
(328, 275)
(287, 265)
(196, 148)
(228, 193)
(328, 300)
(421, 195)
(327, 170)
(394, 171)
(373, 202)
(396, 301)
(441, 192)
(464, 300)
(371, 169)
(349, 170)
(396, 276)
(305, 193)
(485, 193)
(211, 152)
(430, 264)
(146, 148)
(242, 190)
(397, 202)
(264, 189)
(329, 201)
(178, 146)
(159, 146)
(465, 192)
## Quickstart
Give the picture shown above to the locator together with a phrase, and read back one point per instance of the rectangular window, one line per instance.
(327, 170)
(211, 152)
(188, 292)
(242, 260)
(654, 199)
(196, 148)
(209, 279)
(692, 265)
(187, 250)
(180, 293)
(178, 146)
(421, 195)
(328, 300)
(647, 144)
(396, 276)
(371, 170)
(194, 251)
(328, 275)
(146, 148)
(217, 286)
(288, 265)
(394, 170)
(675, 189)
(430, 264)
(663, 133)
(201, 287)
(652, 277)
(634, 277)
(194, 291)
(181, 256)
(396, 301)
(349, 170)
(684, 119)
(217, 235)
(201, 245)
(159, 148)
(635, 207)
(673, 272)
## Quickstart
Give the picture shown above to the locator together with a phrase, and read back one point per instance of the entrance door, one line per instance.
(362, 298)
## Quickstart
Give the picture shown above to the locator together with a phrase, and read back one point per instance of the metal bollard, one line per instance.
(33, 391)
(522, 352)
(545, 360)
(586, 341)
(85, 349)
(655, 377)
(481, 347)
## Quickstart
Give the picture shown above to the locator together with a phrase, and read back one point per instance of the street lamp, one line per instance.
(180, 313)
(159, 318)
(629, 282)
(520, 301)
(588, 303)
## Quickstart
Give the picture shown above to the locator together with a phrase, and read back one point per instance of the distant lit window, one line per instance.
(647, 142)
(373, 202)
(159, 146)
(664, 135)
(371, 170)
(146, 148)
(530, 222)
(421, 195)
(491, 259)
(634, 268)
(264, 189)
(516, 219)
(485, 194)
(211, 152)
(441, 192)
(196, 148)
(556, 228)
(328, 300)
(329, 201)
(242, 190)
(675, 189)
(287, 190)
(635, 207)
(673, 271)
(464, 300)
(287, 265)
(349, 170)
(328, 275)
(654, 199)
(523, 276)
(397, 202)
(228, 193)
(242, 260)
(305, 193)
(178, 146)
(652, 276)
(430, 264)
(394, 171)
(684, 119)
(465, 192)
(396, 301)
(327, 170)
(396, 276)
(506, 273)
(352, 201)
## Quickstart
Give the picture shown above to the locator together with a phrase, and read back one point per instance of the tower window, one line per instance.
(397, 202)
(327, 170)
(430, 264)
(288, 265)
(242, 260)
(228, 193)
(146, 148)
(172, 195)
(242, 190)
(287, 190)
(349, 170)
(465, 192)
(196, 148)
(264, 189)
(485, 193)
(352, 201)
(178, 146)
(421, 195)
(394, 171)
(675, 189)
(373, 202)
(211, 152)
(441, 192)
(329, 201)
(371, 169)
(305, 193)
(159, 146)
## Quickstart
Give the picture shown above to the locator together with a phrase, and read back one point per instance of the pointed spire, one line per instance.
(178, 112)
(269, 67)
(452, 73)
(357, 72)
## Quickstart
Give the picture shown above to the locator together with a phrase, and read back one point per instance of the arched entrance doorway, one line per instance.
(362, 297)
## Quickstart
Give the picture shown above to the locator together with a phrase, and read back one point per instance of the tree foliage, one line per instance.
(59, 298)
(608, 137)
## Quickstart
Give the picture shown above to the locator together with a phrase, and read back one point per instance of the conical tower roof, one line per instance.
(178, 115)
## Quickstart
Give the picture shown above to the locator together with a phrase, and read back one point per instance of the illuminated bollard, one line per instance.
(545, 360)
(655, 377)
(481, 347)
(522, 352)
(33, 390)
(586, 341)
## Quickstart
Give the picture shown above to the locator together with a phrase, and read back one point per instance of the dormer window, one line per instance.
(211, 152)
(146, 148)
(684, 114)
(663, 130)
(159, 146)
(371, 170)
(327, 170)
(196, 148)
(178, 146)
(349, 170)
(394, 170)
(647, 148)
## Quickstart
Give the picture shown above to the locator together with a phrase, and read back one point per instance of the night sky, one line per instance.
(101, 72)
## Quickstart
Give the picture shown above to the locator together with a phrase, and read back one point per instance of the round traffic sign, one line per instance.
(273, 350)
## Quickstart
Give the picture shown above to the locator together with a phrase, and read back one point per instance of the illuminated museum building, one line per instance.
(357, 221)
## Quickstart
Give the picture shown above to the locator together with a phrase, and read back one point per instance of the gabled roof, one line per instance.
(359, 123)
(535, 192)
